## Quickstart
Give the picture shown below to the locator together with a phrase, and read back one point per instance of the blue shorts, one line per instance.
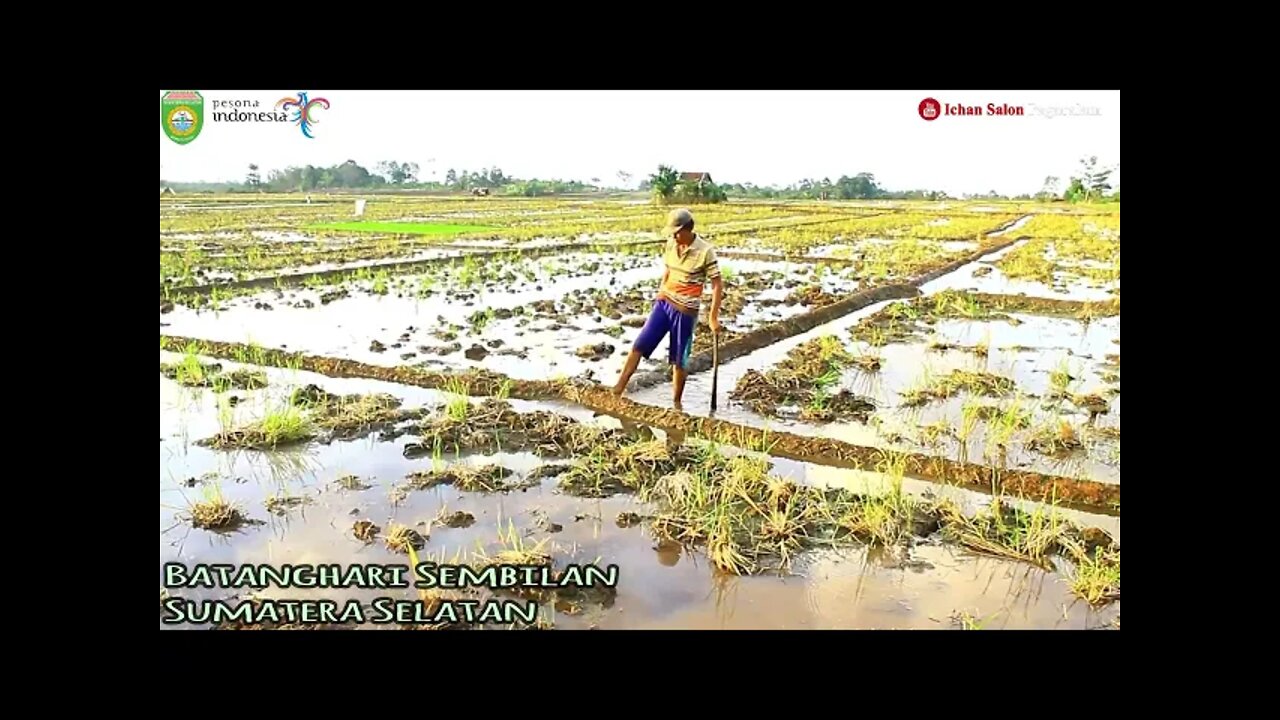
(665, 319)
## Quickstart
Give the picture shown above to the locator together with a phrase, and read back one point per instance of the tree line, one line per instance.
(1091, 183)
(395, 174)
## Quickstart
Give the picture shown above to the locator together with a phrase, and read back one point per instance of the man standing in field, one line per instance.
(690, 263)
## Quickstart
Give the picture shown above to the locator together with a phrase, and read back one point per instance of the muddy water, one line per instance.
(657, 588)
(1028, 352)
(862, 481)
(995, 281)
(347, 327)
(863, 589)
(1053, 344)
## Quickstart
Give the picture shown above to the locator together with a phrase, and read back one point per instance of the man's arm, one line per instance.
(717, 294)
(717, 290)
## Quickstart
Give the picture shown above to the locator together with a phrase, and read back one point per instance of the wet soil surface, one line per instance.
(192, 373)
(669, 477)
(538, 463)
(595, 396)
(503, 325)
(311, 413)
(798, 386)
(911, 320)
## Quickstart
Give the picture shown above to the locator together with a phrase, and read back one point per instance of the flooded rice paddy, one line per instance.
(484, 445)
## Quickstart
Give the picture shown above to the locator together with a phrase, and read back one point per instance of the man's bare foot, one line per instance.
(617, 391)
(677, 406)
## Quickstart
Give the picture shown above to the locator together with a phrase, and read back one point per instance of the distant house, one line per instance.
(168, 191)
(697, 178)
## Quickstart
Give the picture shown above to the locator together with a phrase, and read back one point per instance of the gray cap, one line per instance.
(677, 219)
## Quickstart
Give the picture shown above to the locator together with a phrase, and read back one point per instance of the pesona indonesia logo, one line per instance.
(182, 115)
(298, 110)
(931, 109)
(303, 109)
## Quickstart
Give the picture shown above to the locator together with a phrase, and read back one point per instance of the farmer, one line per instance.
(690, 263)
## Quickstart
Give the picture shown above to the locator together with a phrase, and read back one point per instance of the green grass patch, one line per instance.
(403, 228)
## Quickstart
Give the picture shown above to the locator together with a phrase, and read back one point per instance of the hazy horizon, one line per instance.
(761, 137)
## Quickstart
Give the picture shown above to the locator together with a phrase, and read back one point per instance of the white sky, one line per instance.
(765, 137)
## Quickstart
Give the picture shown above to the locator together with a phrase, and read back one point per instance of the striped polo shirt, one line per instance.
(688, 271)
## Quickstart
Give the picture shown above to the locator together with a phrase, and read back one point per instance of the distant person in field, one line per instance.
(690, 263)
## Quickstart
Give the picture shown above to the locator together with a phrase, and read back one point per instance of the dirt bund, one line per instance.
(782, 330)
(272, 281)
(1049, 306)
(791, 327)
(478, 382)
(1069, 492)
(1083, 494)
(971, 257)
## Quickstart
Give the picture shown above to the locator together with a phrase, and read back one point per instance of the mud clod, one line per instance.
(628, 519)
(813, 296)
(548, 470)
(216, 514)
(282, 504)
(1095, 538)
(485, 479)
(543, 522)
(1094, 404)
(867, 363)
(377, 347)
(458, 519)
(441, 350)
(402, 537)
(924, 521)
(311, 395)
(351, 482)
(476, 352)
(365, 530)
(332, 295)
(599, 351)
(1057, 440)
